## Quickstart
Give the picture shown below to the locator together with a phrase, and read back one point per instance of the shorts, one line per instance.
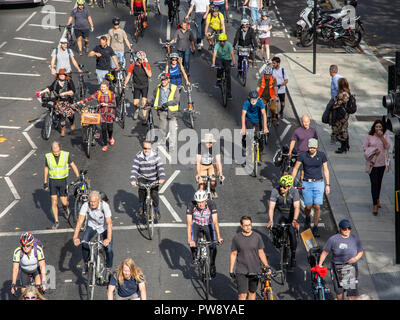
(134, 296)
(81, 33)
(140, 92)
(265, 40)
(338, 289)
(137, 11)
(313, 192)
(246, 284)
(58, 187)
(281, 97)
(207, 170)
(25, 276)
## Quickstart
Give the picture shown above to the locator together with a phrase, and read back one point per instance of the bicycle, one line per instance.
(150, 135)
(208, 187)
(317, 274)
(266, 288)
(96, 265)
(82, 87)
(244, 52)
(81, 195)
(190, 110)
(255, 152)
(90, 117)
(52, 119)
(203, 258)
(120, 111)
(214, 36)
(167, 48)
(175, 14)
(31, 283)
(148, 208)
(68, 34)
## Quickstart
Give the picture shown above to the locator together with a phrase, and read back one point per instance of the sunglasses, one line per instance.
(30, 297)
(28, 246)
(345, 229)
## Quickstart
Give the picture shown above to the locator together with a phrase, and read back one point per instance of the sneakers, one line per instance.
(213, 271)
(315, 232)
(55, 225)
(136, 114)
(112, 141)
(229, 96)
(214, 194)
(105, 148)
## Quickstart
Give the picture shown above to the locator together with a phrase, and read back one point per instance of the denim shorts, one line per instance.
(313, 192)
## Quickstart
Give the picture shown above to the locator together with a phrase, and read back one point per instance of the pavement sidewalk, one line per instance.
(350, 186)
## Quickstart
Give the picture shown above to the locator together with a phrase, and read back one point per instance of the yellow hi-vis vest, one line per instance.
(60, 170)
(170, 98)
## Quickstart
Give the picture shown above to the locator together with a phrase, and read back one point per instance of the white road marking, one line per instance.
(171, 210)
(68, 280)
(286, 121)
(389, 58)
(26, 135)
(9, 207)
(26, 21)
(4, 155)
(284, 133)
(20, 74)
(278, 34)
(9, 127)
(52, 12)
(283, 24)
(168, 31)
(16, 98)
(294, 49)
(36, 121)
(171, 178)
(43, 26)
(33, 40)
(280, 18)
(3, 44)
(20, 163)
(278, 12)
(23, 56)
(286, 30)
(12, 188)
(165, 153)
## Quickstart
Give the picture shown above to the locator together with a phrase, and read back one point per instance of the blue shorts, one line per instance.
(313, 192)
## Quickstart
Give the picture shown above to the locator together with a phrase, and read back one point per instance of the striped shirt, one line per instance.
(149, 167)
(202, 217)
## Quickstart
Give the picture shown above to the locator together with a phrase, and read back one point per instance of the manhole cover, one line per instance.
(368, 117)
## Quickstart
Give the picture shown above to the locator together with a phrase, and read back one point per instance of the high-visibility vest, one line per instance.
(270, 85)
(170, 98)
(99, 93)
(60, 170)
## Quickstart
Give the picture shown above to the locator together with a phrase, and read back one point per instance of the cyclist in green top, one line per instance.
(223, 56)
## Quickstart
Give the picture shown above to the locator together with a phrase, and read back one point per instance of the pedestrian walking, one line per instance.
(129, 282)
(376, 152)
(315, 166)
(281, 77)
(263, 27)
(255, 8)
(333, 71)
(62, 57)
(116, 39)
(201, 12)
(247, 256)
(346, 249)
(56, 172)
(184, 40)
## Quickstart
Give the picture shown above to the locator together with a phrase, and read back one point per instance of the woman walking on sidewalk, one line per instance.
(340, 117)
(376, 152)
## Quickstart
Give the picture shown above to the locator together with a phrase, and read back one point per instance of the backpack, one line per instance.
(351, 106)
(36, 243)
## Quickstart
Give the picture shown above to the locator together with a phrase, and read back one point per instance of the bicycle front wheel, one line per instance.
(90, 281)
(224, 92)
(74, 216)
(284, 259)
(268, 295)
(150, 220)
(46, 129)
(89, 140)
(321, 295)
(243, 77)
(255, 160)
(158, 9)
(206, 278)
(191, 119)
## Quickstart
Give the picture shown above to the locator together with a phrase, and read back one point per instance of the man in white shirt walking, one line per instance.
(281, 77)
(201, 12)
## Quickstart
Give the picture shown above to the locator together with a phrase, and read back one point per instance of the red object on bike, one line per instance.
(321, 271)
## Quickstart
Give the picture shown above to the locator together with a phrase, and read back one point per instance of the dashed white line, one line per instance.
(26, 21)
(291, 42)
(9, 207)
(43, 26)
(16, 98)
(4, 155)
(9, 127)
(20, 74)
(33, 40)
(27, 137)
(294, 49)
(23, 55)
(284, 133)
(3, 44)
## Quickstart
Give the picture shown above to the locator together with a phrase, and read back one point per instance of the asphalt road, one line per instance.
(165, 260)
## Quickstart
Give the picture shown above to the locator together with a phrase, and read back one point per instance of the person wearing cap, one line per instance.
(64, 87)
(284, 205)
(315, 166)
(267, 89)
(245, 37)
(116, 39)
(176, 70)
(61, 58)
(215, 20)
(346, 248)
(184, 40)
(263, 27)
(83, 23)
(208, 163)
(166, 102)
(223, 56)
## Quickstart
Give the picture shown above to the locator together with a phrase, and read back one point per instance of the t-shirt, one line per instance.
(208, 155)
(183, 39)
(140, 79)
(215, 22)
(334, 85)
(202, 217)
(224, 52)
(117, 38)
(280, 76)
(301, 136)
(81, 18)
(200, 5)
(128, 288)
(254, 4)
(63, 59)
(284, 202)
(343, 249)
(312, 166)
(263, 25)
(97, 218)
(253, 113)
(247, 260)
(104, 62)
(28, 263)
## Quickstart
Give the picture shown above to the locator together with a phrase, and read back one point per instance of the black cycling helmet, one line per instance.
(116, 21)
(214, 8)
(253, 94)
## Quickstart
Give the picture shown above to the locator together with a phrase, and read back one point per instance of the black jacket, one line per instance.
(250, 39)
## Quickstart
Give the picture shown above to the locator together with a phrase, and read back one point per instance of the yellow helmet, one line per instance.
(222, 37)
(286, 181)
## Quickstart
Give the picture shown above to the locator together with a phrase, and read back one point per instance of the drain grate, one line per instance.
(368, 117)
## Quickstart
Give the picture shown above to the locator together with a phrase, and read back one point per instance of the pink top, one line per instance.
(375, 142)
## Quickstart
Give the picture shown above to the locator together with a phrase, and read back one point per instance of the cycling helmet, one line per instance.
(174, 55)
(286, 181)
(214, 9)
(268, 70)
(200, 196)
(253, 94)
(222, 37)
(245, 22)
(26, 239)
(116, 21)
(264, 13)
(141, 55)
(80, 2)
(163, 76)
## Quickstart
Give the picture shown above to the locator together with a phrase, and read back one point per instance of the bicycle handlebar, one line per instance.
(208, 243)
(148, 185)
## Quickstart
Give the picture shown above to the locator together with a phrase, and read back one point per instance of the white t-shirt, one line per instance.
(63, 59)
(96, 218)
(254, 3)
(200, 5)
(263, 25)
(277, 73)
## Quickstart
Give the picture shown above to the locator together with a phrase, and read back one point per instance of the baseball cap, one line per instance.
(343, 224)
(312, 143)
(63, 40)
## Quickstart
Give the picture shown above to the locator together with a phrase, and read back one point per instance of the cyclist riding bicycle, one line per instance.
(208, 163)
(267, 88)
(176, 70)
(245, 37)
(215, 20)
(252, 111)
(284, 203)
(138, 7)
(28, 263)
(202, 215)
(116, 39)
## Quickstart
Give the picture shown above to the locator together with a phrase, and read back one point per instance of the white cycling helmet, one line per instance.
(268, 70)
(244, 22)
(200, 196)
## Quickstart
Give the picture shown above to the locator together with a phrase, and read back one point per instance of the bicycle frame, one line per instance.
(285, 250)
(266, 288)
(223, 86)
(208, 184)
(190, 109)
(148, 206)
(81, 194)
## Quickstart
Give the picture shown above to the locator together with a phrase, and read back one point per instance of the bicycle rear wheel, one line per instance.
(150, 220)
(74, 216)
(101, 267)
(46, 129)
(224, 92)
(121, 111)
(91, 278)
(89, 140)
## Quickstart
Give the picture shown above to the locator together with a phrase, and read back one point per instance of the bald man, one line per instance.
(56, 170)
(301, 136)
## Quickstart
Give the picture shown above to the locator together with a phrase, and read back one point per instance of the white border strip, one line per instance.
(9, 127)
(20, 74)
(26, 135)
(171, 210)
(23, 55)
(33, 40)
(3, 44)
(26, 21)
(16, 98)
(12, 188)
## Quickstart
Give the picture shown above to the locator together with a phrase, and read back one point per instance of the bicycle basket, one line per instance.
(88, 118)
(244, 52)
